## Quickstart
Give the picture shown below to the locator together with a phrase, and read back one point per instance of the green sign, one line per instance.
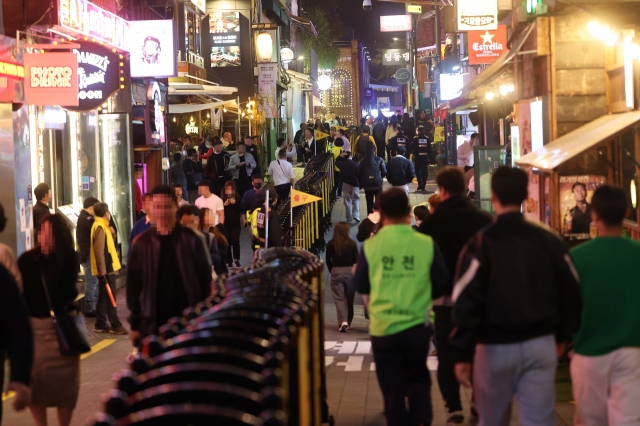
(402, 76)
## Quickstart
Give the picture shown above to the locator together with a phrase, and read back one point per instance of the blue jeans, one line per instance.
(90, 288)
(526, 370)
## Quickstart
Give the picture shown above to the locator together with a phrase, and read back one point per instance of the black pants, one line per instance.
(337, 183)
(242, 185)
(217, 184)
(283, 191)
(422, 170)
(371, 197)
(104, 308)
(234, 243)
(449, 386)
(401, 367)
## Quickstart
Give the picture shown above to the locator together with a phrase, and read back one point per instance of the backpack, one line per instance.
(362, 145)
(371, 177)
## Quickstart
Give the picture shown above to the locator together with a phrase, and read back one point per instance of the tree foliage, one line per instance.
(331, 9)
(328, 53)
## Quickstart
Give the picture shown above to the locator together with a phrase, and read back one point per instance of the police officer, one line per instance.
(421, 149)
(399, 140)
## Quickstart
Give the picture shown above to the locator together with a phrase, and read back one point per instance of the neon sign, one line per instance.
(11, 70)
(85, 18)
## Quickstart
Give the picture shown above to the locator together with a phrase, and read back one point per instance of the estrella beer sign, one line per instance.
(487, 45)
(51, 79)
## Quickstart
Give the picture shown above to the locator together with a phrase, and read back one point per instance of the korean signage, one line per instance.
(267, 74)
(84, 17)
(51, 79)
(450, 86)
(286, 55)
(153, 49)
(98, 76)
(486, 46)
(224, 28)
(396, 57)
(392, 23)
(11, 71)
(477, 15)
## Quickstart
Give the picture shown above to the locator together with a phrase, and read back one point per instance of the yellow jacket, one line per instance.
(103, 224)
(336, 153)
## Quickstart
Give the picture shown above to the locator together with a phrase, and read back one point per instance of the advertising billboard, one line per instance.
(487, 45)
(575, 204)
(153, 52)
(391, 23)
(51, 79)
(224, 28)
(477, 15)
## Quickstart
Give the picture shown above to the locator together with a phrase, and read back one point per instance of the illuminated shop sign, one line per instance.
(153, 51)
(224, 28)
(396, 57)
(11, 70)
(85, 18)
(450, 86)
(477, 14)
(390, 23)
(486, 46)
(98, 75)
(51, 79)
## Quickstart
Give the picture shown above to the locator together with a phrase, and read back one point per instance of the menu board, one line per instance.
(224, 28)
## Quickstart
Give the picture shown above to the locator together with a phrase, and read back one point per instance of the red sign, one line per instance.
(390, 23)
(51, 79)
(487, 45)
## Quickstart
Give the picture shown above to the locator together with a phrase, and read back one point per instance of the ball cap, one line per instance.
(421, 128)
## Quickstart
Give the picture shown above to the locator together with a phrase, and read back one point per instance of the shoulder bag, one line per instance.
(71, 330)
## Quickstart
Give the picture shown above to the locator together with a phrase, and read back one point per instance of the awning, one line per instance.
(304, 24)
(563, 149)
(462, 104)
(302, 78)
(499, 68)
(176, 88)
(383, 88)
(187, 108)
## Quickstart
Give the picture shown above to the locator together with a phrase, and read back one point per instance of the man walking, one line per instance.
(400, 171)
(41, 207)
(451, 225)
(177, 173)
(517, 303)
(105, 265)
(83, 237)
(169, 269)
(210, 201)
(398, 272)
(379, 132)
(282, 173)
(605, 370)
(400, 141)
(194, 173)
(350, 186)
(218, 168)
(371, 171)
(421, 149)
(242, 165)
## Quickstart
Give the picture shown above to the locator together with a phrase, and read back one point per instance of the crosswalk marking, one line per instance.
(347, 347)
(363, 348)
(354, 363)
(328, 360)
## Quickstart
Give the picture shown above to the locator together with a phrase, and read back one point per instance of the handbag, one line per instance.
(71, 330)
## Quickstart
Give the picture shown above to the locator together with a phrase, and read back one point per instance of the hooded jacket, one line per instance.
(348, 171)
(400, 171)
(368, 226)
(371, 170)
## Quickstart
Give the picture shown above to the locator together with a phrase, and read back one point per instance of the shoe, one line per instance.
(473, 418)
(455, 418)
(238, 264)
(100, 330)
(343, 327)
(356, 219)
(118, 330)
(90, 314)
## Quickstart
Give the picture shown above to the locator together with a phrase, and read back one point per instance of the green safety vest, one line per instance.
(400, 262)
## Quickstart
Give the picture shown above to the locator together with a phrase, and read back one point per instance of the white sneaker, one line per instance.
(343, 327)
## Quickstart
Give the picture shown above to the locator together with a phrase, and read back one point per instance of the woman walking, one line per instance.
(55, 378)
(342, 254)
(232, 214)
(216, 241)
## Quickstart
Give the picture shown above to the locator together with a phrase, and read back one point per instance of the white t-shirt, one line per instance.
(465, 155)
(213, 203)
(281, 171)
(290, 154)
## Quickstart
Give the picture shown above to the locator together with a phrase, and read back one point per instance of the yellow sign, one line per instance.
(299, 198)
(320, 135)
(414, 8)
(438, 134)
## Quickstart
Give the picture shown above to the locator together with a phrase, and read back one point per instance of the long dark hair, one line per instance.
(341, 239)
(220, 238)
(62, 241)
(393, 121)
(231, 184)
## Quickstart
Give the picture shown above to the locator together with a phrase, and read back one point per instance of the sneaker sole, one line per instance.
(98, 330)
(118, 332)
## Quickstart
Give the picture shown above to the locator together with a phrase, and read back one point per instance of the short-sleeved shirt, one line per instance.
(213, 203)
(282, 172)
(610, 287)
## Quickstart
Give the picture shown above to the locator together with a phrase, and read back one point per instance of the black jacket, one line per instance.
(379, 133)
(194, 173)
(400, 171)
(348, 171)
(515, 282)
(16, 340)
(40, 210)
(371, 169)
(83, 235)
(451, 225)
(192, 257)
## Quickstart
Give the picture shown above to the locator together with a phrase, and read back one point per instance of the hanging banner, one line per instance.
(153, 49)
(299, 198)
(98, 76)
(51, 79)
(267, 74)
(486, 46)
(396, 57)
(477, 14)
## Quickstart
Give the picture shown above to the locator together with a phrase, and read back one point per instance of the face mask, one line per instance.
(257, 185)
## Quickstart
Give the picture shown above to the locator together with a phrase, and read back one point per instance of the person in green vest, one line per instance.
(605, 369)
(399, 273)
(105, 265)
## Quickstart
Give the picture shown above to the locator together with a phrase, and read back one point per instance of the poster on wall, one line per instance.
(267, 74)
(531, 207)
(524, 124)
(224, 28)
(153, 49)
(22, 179)
(575, 204)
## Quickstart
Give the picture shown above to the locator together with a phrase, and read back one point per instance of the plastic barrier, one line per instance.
(251, 355)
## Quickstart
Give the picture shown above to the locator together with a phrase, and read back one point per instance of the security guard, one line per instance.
(421, 149)
(399, 140)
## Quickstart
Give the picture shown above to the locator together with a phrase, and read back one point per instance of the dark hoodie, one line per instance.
(371, 170)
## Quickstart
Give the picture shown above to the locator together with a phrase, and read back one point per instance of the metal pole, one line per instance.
(238, 135)
(266, 222)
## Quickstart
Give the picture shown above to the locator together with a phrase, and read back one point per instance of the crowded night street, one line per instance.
(319, 212)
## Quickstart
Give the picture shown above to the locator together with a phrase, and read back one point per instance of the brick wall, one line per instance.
(425, 33)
